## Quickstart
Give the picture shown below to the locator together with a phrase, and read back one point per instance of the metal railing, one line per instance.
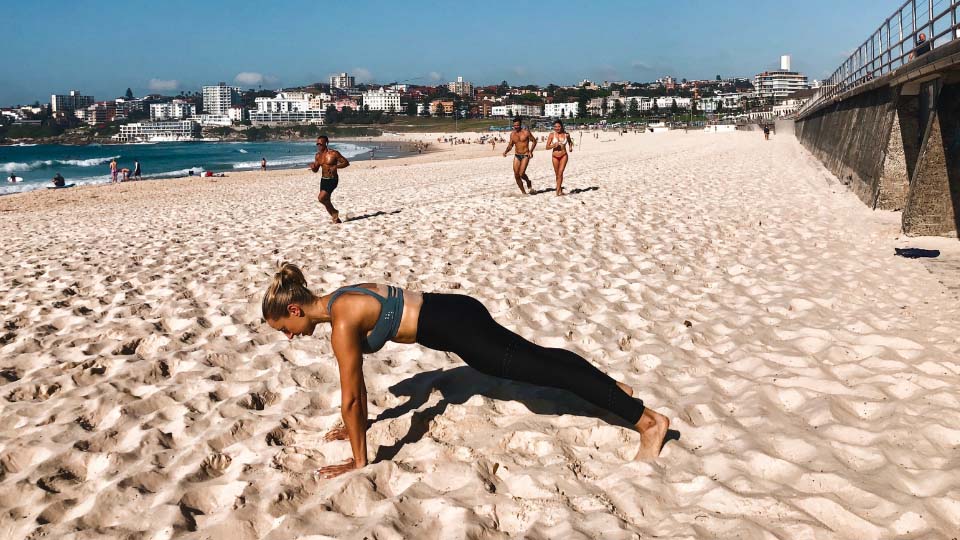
(893, 45)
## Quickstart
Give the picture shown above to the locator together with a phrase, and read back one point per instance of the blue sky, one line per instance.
(102, 47)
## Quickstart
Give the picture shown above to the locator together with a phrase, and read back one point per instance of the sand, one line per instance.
(814, 377)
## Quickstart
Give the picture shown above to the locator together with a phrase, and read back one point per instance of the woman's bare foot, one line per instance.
(336, 217)
(653, 430)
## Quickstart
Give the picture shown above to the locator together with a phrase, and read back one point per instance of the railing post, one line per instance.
(889, 61)
(913, 9)
(953, 19)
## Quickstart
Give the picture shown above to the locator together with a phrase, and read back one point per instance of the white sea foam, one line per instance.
(44, 163)
(346, 149)
(242, 151)
(298, 160)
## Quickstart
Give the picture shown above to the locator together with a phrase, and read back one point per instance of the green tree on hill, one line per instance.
(633, 110)
(412, 108)
(673, 107)
(617, 109)
(129, 93)
(332, 116)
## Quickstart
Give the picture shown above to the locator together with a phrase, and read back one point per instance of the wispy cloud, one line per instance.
(519, 71)
(640, 65)
(362, 75)
(435, 76)
(163, 85)
(251, 78)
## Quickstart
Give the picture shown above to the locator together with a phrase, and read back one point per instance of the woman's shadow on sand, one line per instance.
(459, 384)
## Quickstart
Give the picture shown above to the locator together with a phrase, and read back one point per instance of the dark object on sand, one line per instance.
(917, 253)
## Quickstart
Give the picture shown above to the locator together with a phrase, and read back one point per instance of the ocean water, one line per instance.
(90, 164)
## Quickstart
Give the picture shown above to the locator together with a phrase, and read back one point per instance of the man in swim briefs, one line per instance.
(329, 161)
(525, 143)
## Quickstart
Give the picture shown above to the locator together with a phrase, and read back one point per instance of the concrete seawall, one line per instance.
(850, 138)
(898, 148)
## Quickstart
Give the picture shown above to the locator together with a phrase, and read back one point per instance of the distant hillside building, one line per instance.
(218, 99)
(461, 87)
(183, 130)
(98, 113)
(70, 102)
(560, 110)
(342, 80)
(780, 83)
(382, 100)
(177, 109)
(515, 110)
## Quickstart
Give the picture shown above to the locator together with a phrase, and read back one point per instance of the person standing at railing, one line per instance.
(923, 46)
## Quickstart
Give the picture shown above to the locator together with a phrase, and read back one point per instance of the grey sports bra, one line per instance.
(391, 311)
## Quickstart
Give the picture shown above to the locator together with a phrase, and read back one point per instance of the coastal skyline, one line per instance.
(418, 42)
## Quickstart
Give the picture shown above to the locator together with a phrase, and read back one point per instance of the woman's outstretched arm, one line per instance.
(353, 407)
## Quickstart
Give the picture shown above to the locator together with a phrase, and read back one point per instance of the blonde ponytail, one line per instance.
(288, 287)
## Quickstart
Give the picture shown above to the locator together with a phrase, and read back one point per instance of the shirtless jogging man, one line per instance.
(329, 161)
(525, 143)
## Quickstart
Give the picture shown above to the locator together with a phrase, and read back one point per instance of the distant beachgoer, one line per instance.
(124, 174)
(59, 181)
(364, 317)
(559, 141)
(766, 132)
(13, 178)
(113, 171)
(191, 172)
(525, 142)
(263, 164)
(136, 170)
(329, 161)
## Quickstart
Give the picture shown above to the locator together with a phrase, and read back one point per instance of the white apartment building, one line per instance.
(177, 109)
(69, 102)
(560, 110)
(461, 87)
(218, 99)
(237, 114)
(166, 131)
(125, 106)
(515, 110)
(290, 117)
(779, 83)
(342, 80)
(284, 102)
(382, 100)
(213, 120)
(666, 103)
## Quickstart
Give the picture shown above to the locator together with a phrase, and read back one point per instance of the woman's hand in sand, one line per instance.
(332, 471)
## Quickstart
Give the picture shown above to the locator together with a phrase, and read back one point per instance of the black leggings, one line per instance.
(462, 325)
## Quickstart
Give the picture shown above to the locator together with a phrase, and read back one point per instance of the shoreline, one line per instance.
(394, 149)
(433, 153)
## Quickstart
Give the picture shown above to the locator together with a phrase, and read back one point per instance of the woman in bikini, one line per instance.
(364, 317)
(562, 144)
